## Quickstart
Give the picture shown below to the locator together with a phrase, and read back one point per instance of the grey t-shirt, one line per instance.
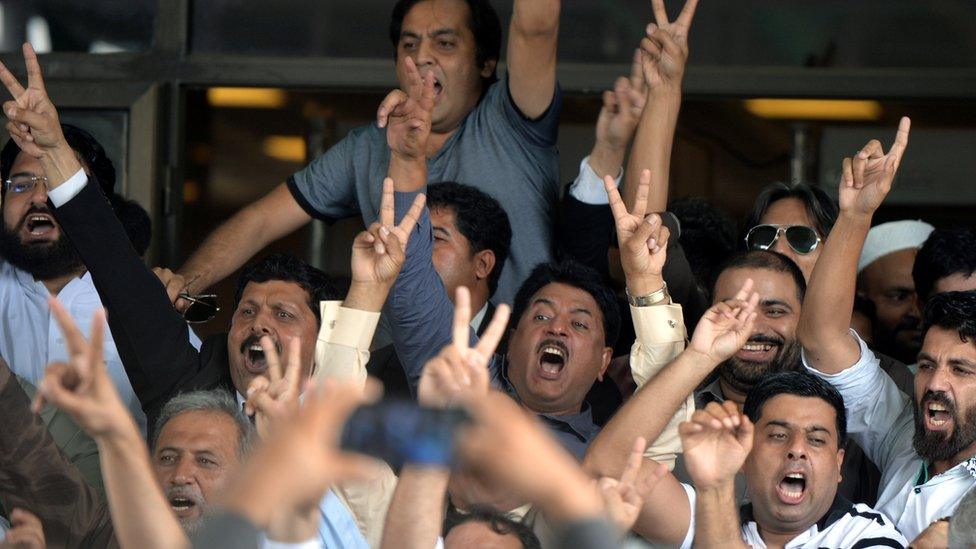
(496, 149)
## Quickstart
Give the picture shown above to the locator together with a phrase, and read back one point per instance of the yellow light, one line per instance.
(289, 148)
(815, 109)
(250, 98)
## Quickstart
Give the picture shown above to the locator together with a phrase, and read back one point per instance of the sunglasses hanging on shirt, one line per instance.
(202, 307)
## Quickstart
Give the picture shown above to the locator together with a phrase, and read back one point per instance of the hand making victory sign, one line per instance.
(460, 372)
(378, 252)
(273, 397)
(643, 239)
(406, 114)
(665, 48)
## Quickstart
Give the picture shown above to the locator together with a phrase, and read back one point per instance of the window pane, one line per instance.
(95, 26)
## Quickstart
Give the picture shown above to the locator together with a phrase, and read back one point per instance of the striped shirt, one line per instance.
(848, 525)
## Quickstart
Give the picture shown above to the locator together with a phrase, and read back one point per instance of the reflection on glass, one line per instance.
(94, 26)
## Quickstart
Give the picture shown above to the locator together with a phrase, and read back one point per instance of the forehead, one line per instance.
(944, 345)
(799, 412)
(564, 296)
(25, 163)
(474, 533)
(894, 269)
(200, 430)
(769, 284)
(274, 290)
(787, 211)
(432, 15)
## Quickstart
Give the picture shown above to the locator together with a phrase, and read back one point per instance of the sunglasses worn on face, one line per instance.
(802, 239)
(202, 307)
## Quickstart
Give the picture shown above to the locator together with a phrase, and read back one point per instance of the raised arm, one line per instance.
(152, 339)
(82, 388)
(532, 38)
(664, 52)
(716, 443)
(824, 328)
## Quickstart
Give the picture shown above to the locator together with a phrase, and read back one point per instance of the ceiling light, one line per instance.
(252, 98)
(814, 109)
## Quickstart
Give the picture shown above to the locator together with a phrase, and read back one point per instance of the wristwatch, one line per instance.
(655, 298)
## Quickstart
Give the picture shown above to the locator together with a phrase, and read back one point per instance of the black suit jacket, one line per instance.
(151, 336)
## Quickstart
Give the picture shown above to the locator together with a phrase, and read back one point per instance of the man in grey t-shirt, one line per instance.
(496, 135)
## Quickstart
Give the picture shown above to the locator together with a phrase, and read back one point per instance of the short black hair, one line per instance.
(499, 523)
(479, 217)
(770, 261)
(946, 252)
(577, 275)
(951, 311)
(90, 151)
(708, 236)
(821, 208)
(288, 268)
(484, 24)
(801, 384)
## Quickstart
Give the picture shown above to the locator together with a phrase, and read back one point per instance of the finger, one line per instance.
(272, 358)
(847, 172)
(651, 47)
(706, 420)
(634, 461)
(873, 149)
(462, 318)
(743, 293)
(387, 211)
(16, 133)
(74, 339)
(410, 220)
(617, 206)
(492, 335)
(637, 72)
(258, 385)
(34, 77)
(745, 431)
(10, 82)
(389, 103)
(646, 230)
(901, 137)
(262, 402)
(427, 94)
(96, 344)
(860, 166)
(643, 190)
(661, 240)
(415, 82)
(57, 395)
(687, 14)
(660, 13)
(293, 366)
(25, 116)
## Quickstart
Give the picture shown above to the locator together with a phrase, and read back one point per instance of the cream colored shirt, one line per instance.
(661, 337)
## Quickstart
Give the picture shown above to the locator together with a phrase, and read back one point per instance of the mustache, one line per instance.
(765, 338)
(185, 492)
(554, 343)
(35, 209)
(937, 397)
(256, 340)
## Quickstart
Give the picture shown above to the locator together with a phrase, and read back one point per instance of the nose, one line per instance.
(558, 326)
(263, 323)
(783, 246)
(424, 55)
(939, 380)
(39, 194)
(797, 449)
(913, 310)
(184, 473)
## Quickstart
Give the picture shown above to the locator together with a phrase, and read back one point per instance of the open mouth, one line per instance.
(181, 505)
(758, 351)
(792, 488)
(938, 417)
(254, 358)
(552, 359)
(39, 224)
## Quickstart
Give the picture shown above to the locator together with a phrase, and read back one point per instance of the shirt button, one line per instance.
(672, 323)
(918, 490)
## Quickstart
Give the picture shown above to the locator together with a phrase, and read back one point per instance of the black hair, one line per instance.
(135, 220)
(479, 217)
(484, 24)
(91, 153)
(770, 261)
(820, 207)
(707, 237)
(952, 311)
(499, 523)
(801, 384)
(944, 253)
(288, 268)
(577, 275)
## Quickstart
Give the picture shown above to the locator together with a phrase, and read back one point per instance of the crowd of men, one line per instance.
(618, 373)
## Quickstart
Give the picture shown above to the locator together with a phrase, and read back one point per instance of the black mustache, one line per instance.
(554, 343)
(938, 397)
(762, 338)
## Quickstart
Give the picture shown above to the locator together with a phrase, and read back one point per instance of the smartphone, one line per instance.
(399, 431)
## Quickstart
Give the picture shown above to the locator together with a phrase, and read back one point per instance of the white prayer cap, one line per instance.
(891, 237)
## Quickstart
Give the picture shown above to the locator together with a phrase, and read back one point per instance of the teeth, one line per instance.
(554, 351)
(937, 408)
(795, 475)
(256, 348)
(757, 347)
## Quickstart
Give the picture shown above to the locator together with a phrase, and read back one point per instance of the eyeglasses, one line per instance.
(202, 307)
(23, 183)
(802, 239)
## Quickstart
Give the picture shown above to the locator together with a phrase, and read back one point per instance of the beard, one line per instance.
(42, 260)
(934, 445)
(743, 375)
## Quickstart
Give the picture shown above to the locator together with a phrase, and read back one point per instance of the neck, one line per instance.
(55, 285)
(776, 540)
(437, 139)
(729, 393)
(939, 467)
(539, 410)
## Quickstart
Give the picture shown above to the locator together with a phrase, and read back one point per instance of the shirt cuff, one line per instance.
(658, 324)
(348, 327)
(64, 192)
(588, 187)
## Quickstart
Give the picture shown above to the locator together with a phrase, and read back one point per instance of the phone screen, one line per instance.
(399, 431)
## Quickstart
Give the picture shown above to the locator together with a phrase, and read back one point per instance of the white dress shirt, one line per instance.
(880, 418)
(588, 187)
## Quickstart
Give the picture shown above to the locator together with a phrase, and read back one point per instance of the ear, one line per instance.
(488, 68)
(840, 464)
(606, 358)
(484, 263)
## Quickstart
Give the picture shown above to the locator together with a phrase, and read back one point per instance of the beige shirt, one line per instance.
(661, 337)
